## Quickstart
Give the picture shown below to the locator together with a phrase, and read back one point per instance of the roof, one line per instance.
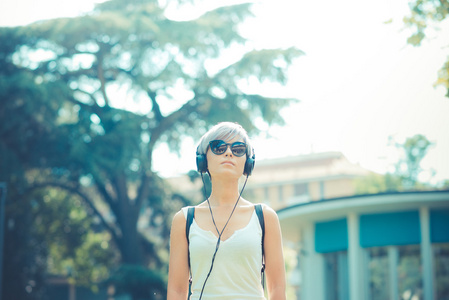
(293, 217)
(355, 197)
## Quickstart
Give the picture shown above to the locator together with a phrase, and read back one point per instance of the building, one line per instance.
(371, 247)
(287, 181)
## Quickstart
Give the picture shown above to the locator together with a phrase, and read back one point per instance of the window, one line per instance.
(300, 193)
(409, 273)
(439, 235)
(378, 279)
(322, 190)
(394, 272)
(301, 189)
(441, 270)
(281, 193)
(336, 275)
(266, 191)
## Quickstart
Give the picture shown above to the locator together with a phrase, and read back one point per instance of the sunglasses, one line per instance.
(218, 147)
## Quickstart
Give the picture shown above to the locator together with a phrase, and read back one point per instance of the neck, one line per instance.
(224, 192)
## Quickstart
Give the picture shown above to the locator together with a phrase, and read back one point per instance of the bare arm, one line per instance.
(178, 271)
(274, 256)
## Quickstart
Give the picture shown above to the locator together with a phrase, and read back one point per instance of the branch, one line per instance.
(94, 101)
(77, 73)
(108, 198)
(168, 121)
(94, 107)
(102, 79)
(144, 189)
(155, 106)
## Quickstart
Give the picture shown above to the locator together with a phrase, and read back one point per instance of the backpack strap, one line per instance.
(189, 221)
(259, 212)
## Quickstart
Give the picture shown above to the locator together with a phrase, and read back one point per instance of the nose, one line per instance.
(228, 150)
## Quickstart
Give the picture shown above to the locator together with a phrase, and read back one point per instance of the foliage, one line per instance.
(138, 281)
(425, 13)
(377, 183)
(445, 184)
(25, 255)
(50, 233)
(408, 167)
(85, 101)
(78, 248)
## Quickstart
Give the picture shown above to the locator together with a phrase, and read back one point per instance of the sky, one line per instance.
(359, 83)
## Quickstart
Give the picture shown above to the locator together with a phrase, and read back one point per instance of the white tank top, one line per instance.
(236, 272)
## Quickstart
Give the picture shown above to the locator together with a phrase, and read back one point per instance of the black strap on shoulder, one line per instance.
(190, 216)
(189, 220)
(259, 212)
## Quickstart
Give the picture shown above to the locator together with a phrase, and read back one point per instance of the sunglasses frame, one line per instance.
(228, 145)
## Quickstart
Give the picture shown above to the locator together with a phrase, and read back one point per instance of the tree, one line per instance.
(407, 169)
(414, 149)
(377, 183)
(101, 149)
(425, 13)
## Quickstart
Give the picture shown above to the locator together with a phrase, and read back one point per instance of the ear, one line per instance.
(249, 165)
(201, 163)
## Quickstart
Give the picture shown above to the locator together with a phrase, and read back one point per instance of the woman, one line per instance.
(224, 247)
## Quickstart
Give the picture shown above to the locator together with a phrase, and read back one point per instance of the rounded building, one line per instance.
(372, 247)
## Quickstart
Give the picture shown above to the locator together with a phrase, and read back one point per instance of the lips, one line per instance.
(227, 162)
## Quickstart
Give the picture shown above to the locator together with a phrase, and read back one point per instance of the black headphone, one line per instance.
(201, 163)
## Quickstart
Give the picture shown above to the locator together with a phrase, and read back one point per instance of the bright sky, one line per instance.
(358, 82)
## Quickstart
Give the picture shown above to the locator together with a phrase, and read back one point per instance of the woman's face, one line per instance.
(226, 164)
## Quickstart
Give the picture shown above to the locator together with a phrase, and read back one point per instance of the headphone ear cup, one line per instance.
(201, 163)
(249, 165)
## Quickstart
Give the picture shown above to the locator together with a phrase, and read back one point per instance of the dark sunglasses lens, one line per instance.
(239, 149)
(218, 147)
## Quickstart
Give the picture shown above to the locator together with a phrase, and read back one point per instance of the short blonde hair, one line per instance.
(225, 131)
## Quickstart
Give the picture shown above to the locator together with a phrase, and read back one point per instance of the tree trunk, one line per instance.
(130, 243)
(127, 213)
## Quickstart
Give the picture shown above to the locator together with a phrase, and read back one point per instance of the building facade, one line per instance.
(373, 247)
(291, 180)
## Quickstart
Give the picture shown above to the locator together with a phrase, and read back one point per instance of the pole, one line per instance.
(2, 229)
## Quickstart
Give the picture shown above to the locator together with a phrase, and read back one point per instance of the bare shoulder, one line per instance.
(270, 214)
(179, 221)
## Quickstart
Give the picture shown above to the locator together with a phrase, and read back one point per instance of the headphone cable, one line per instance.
(216, 228)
